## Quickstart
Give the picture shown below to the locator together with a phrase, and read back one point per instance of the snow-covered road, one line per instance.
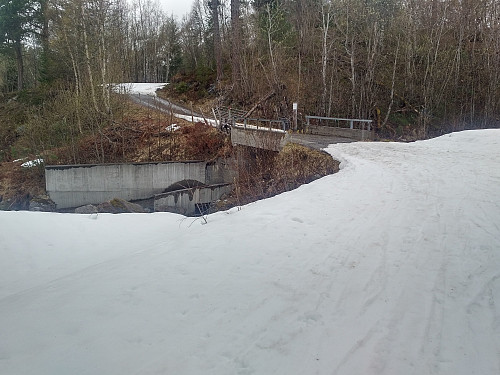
(391, 266)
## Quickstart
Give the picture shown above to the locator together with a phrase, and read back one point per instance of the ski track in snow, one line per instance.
(391, 266)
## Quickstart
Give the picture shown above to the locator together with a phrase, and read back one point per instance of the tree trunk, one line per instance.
(270, 24)
(76, 73)
(235, 44)
(20, 65)
(391, 103)
(325, 17)
(45, 71)
(217, 41)
(87, 60)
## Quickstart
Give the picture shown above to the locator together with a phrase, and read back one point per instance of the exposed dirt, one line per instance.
(19, 184)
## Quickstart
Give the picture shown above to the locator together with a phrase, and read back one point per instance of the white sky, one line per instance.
(177, 7)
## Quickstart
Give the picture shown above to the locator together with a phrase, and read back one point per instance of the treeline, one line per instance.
(421, 67)
(418, 68)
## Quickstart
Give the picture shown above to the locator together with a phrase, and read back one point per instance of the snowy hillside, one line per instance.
(391, 266)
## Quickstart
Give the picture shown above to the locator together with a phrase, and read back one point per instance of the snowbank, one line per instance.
(390, 266)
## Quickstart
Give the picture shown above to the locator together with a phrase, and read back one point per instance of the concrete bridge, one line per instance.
(72, 186)
(268, 134)
(268, 139)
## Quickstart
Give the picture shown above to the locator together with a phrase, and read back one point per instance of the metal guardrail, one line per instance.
(349, 120)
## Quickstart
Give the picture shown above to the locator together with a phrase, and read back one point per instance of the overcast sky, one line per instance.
(177, 7)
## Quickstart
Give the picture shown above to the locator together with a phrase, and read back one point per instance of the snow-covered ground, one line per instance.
(196, 119)
(391, 266)
(32, 163)
(138, 88)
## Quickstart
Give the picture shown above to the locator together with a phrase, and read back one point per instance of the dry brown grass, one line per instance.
(263, 174)
(297, 165)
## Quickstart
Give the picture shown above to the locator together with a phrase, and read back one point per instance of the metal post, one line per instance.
(352, 124)
(216, 121)
(295, 108)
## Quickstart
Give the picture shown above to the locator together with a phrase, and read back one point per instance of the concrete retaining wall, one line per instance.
(259, 138)
(192, 201)
(358, 134)
(77, 185)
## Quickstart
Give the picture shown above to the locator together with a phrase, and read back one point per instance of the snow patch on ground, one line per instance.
(172, 128)
(196, 119)
(138, 88)
(32, 163)
(391, 266)
(255, 127)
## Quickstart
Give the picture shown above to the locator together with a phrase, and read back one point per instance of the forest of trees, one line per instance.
(420, 67)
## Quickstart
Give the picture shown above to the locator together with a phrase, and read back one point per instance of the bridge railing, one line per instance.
(238, 117)
(229, 113)
(350, 122)
(261, 123)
